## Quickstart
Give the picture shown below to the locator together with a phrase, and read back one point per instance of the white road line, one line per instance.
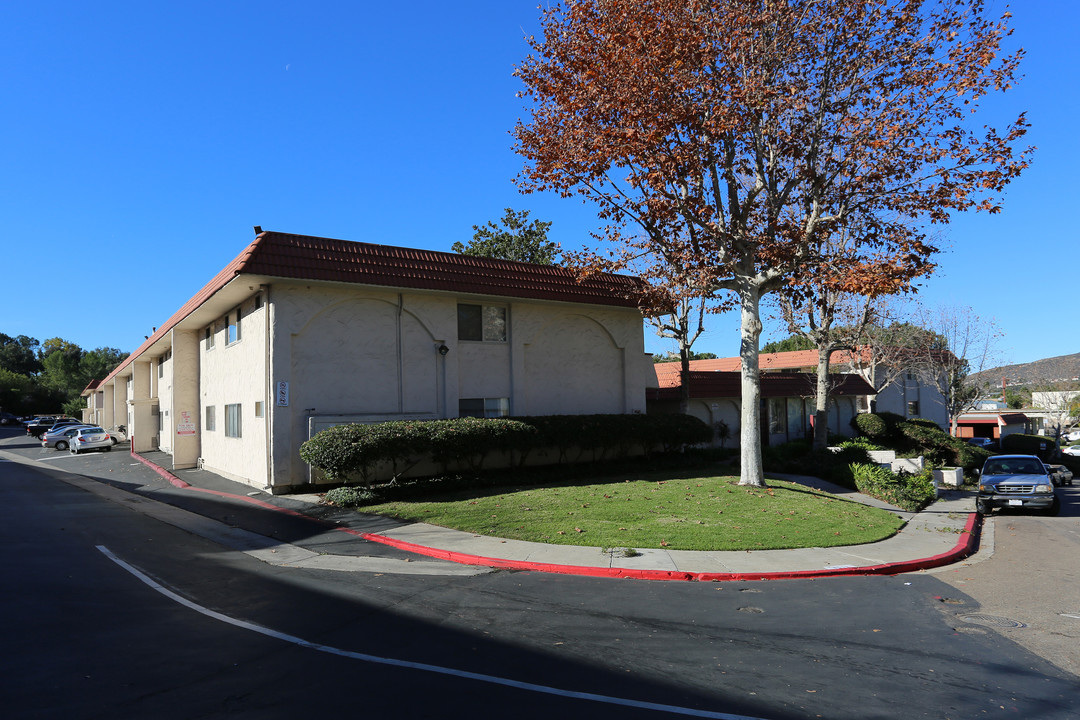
(532, 687)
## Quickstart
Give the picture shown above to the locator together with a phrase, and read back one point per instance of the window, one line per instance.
(484, 407)
(211, 426)
(913, 408)
(210, 337)
(161, 367)
(485, 323)
(777, 416)
(258, 302)
(232, 421)
(259, 409)
(233, 322)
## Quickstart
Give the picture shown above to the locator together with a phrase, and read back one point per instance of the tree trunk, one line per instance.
(821, 407)
(684, 378)
(751, 472)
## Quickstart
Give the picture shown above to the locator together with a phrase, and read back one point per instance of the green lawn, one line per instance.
(679, 513)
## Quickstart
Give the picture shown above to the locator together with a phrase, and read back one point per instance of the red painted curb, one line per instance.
(964, 547)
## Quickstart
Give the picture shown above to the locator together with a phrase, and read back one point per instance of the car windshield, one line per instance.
(1014, 467)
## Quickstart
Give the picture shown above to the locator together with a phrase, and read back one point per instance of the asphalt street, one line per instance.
(174, 625)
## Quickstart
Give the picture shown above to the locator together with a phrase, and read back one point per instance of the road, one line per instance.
(180, 626)
(1029, 582)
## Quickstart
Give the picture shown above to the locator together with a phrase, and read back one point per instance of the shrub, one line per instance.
(349, 496)
(798, 457)
(347, 452)
(870, 424)
(1020, 444)
(908, 491)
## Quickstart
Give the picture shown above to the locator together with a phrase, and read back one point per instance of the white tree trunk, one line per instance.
(751, 472)
(821, 409)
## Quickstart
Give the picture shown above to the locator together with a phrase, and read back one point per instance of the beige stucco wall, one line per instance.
(347, 351)
(234, 374)
(314, 355)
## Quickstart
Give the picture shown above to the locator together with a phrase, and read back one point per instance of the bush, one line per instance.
(1020, 444)
(870, 425)
(349, 496)
(798, 457)
(348, 452)
(908, 491)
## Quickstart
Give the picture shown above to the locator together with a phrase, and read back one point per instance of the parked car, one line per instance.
(7, 418)
(1060, 474)
(60, 436)
(1016, 481)
(981, 442)
(1073, 450)
(45, 424)
(38, 426)
(91, 438)
(1072, 435)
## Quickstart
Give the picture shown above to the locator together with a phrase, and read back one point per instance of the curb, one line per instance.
(964, 547)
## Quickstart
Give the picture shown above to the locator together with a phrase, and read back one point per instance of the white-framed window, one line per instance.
(482, 323)
(233, 323)
(913, 408)
(259, 408)
(210, 338)
(233, 425)
(484, 407)
(211, 419)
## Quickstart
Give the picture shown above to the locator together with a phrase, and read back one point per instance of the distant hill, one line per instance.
(1056, 369)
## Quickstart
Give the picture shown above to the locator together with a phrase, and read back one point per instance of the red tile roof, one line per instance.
(766, 362)
(729, 384)
(312, 258)
(302, 257)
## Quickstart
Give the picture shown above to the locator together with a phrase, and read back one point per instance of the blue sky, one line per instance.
(142, 141)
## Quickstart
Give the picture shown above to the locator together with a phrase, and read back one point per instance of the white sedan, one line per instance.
(1073, 450)
(90, 438)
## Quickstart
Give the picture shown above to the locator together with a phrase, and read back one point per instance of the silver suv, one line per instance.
(1016, 481)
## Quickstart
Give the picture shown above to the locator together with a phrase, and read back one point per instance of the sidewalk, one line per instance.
(943, 533)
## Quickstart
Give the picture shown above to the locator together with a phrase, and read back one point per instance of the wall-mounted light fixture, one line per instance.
(443, 350)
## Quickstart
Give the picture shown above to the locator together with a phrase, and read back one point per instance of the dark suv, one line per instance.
(1016, 481)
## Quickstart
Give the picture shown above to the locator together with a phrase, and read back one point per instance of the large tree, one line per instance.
(736, 136)
(518, 239)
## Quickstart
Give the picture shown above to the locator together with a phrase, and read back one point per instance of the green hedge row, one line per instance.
(346, 452)
(1020, 444)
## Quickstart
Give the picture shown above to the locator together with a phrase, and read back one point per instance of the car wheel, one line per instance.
(61, 445)
(982, 508)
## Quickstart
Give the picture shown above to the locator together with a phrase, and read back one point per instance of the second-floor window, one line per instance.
(485, 323)
(234, 326)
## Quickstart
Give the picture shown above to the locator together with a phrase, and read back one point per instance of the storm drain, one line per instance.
(991, 621)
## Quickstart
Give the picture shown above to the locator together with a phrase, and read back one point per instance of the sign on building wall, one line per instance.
(283, 394)
(186, 426)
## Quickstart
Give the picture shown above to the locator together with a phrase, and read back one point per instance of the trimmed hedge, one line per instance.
(1020, 444)
(870, 425)
(346, 452)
